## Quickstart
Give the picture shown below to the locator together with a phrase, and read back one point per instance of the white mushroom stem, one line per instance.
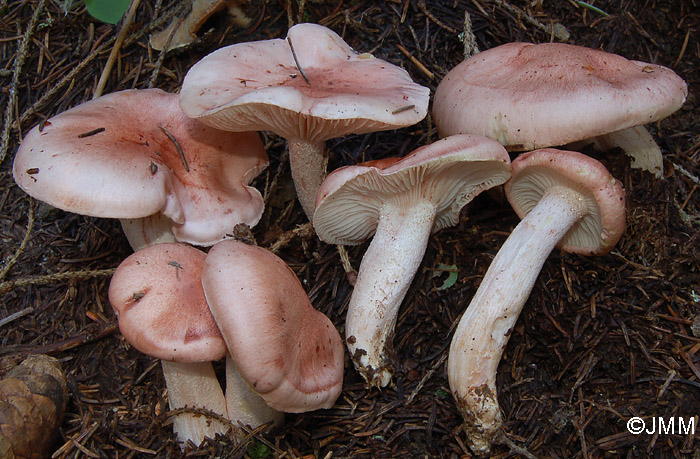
(385, 274)
(307, 161)
(194, 385)
(244, 405)
(142, 232)
(637, 143)
(483, 331)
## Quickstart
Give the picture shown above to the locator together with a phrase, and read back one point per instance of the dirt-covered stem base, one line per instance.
(485, 327)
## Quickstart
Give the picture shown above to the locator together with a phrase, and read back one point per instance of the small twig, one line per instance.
(304, 230)
(21, 56)
(671, 376)
(177, 147)
(350, 272)
(126, 25)
(16, 315)
(426, 377)
(294, 55)
(402, 109)
(424, 9)
(417, 63)
(250, 433)
(514, 448)
(56, 277)
(683, 171)
(163, 52)
(12, 260)
(91, 133)
(683, 48)
(592, 8)
(557, 29)
(63, 345)
(467, 38)
(75, 439)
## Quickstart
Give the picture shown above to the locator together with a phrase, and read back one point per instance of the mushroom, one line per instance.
(157, 295)
(308, 88)
(530, 96)
(132, 155)
(158, 298)
(287, 351)
(401, 201)
(565, 199)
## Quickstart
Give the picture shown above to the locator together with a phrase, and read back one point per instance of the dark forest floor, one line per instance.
(600, 340)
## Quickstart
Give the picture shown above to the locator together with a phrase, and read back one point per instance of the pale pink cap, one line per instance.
(530, 96)
(449, 173)
(110, 157)
(258, 86)
(536, 171)
(157, 295)
(287, 351)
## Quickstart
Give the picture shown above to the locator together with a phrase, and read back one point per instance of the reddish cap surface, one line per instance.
(530, 96)
(258, 86)
(287, 351)
(158, 297)
(112, 157)
(449, 173)
(536, 171)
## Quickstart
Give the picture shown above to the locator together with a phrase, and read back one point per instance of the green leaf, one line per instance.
(441, 394)
(257, 450)
(109, 11)
(452, 276)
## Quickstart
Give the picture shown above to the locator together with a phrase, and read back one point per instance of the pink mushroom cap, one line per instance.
(112, 157)
(287, 351)
(258, 86)
(530, 96)
(158, 297)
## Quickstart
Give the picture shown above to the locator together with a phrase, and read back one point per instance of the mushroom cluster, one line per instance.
(530, 96)
(180, 176)
(188, 308)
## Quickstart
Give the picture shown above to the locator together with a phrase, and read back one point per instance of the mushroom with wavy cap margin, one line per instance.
(308, 88)
(135, 156)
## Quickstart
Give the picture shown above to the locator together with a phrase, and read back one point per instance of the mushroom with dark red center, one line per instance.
(309, 88)
(134, 155)
(565, 199)
(530, 96)
(287, 351)
(401, 201)
(158, 297)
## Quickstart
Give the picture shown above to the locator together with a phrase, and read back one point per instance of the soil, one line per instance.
(600, 340)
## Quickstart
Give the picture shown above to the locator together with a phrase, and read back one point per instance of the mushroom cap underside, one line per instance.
(260, 86)
(533, 173)
(448, 173)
